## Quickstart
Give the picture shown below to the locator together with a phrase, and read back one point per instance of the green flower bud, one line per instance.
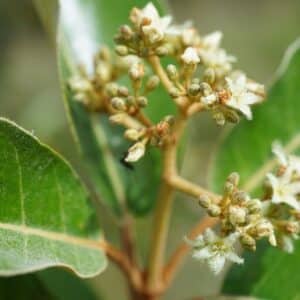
(123, 91)
(234, 178)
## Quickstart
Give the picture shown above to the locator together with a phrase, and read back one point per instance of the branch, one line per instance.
(163, 210)
(160, 72)
(123, 262)
(190, 188)
(177, 258)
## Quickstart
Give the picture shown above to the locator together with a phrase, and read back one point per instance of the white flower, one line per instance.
(289, 162)
(190, 56)
(209, 99)
(135, 152)
(241, 98)
(283, 190)
(212, 41)
(216, 58)
(156, 27)
(215, 250)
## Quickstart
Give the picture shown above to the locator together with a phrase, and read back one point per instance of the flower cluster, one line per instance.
(282, 205)
(275, 216)
(201, 78)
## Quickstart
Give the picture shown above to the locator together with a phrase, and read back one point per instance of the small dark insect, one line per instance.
(126, 164)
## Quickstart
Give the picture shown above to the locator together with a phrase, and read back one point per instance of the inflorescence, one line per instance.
(201, 78)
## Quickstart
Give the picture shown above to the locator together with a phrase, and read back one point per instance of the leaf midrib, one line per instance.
(52, 235)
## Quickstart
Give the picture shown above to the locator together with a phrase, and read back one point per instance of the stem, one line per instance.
(160, 72)
(163, 211)
(122, 261)
(190, 188)
(180, 253)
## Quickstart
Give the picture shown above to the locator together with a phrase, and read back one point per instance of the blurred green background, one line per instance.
(256, 31)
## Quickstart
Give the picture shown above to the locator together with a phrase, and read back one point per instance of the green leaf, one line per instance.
(52, 284)
(84, 26)
(64, 285)
(268, 272)
(45, 219)
(26, 287)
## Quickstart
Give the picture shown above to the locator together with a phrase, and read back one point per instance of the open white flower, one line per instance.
(212, 41)
(215, 250)
(284, 190)
(190, 56)
(135, 152)
(241, 98)
(154, 26)
(290, 162)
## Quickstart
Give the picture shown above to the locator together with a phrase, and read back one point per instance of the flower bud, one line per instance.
(118, 103)
(214, 210)
(172, 72)
(219, 118)
(234, 178)
(162, 51)
(142, 101)
(136, 71)
(232, 116)
(204, 201)
(112, 89)
(194, 89)
(135, 152)
(254, 206)
(228, 188)
(152, 83)
(209, 75)
(174, 92)
(240, 197)
(170, 120)
(121, 50)
(292, 227)
(248, 241)
(123, 91)
(205, 88)
(190, 56)
(237, 215)
(126, 32)
(132, 134)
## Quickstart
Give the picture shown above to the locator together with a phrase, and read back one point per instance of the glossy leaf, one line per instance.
(84, 26)
(45, 219)
(269, 272)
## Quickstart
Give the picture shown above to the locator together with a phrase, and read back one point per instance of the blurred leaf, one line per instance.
(270, 273)
(26, 287)
(63, 285)
(45, 219)
(223, 297)
(52, 284)
(84, 26)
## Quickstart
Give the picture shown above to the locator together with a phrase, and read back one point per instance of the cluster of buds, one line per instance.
(275, 216)
(148, 35)
(91, 89)
(122, 100)
(240, 214)
(157, 135)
